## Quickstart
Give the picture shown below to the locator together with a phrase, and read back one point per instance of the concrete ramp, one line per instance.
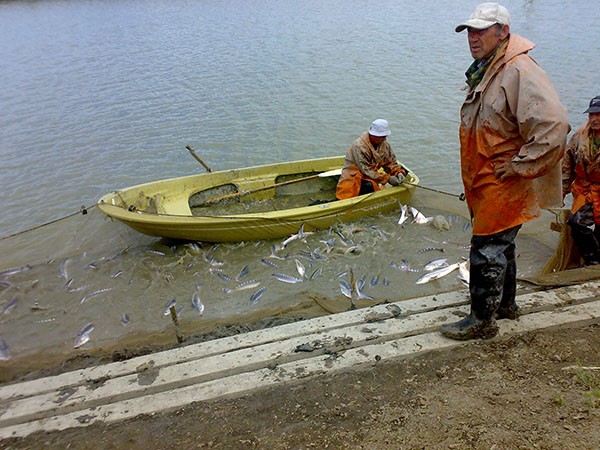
(239, 364)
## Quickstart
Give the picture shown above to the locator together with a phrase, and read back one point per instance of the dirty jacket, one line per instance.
(362, 161)
(581, 172)
(515, 115)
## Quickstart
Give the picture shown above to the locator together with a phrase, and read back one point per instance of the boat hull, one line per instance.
(162, 208)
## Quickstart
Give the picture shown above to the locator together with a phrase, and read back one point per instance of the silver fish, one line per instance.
(224, 277)
(243, 286)
(437, 273)
(418, 217)
(345, 288)
(403, 214)
(245, 271)
(257, 295)
(4, 351)
(300, 268)
(93, 294)
(361, 294)
(170, 303)
(117, 274)
(464, 273)
(317, 273)
(63, 269)
(9, 306)
(268, 263)
(287, 278)
(436, 263)
(374, 280)
(197, 303)
(386, 282)
(274, 254)
(404, 266)
(14, 270)
(431, 249)
(125, 319)
(84, 335)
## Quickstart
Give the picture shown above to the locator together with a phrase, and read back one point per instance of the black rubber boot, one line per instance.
(508, 308)
(585, 236)
(471, 328)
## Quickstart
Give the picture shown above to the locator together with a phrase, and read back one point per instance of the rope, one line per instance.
(83, 211)
(461, 196)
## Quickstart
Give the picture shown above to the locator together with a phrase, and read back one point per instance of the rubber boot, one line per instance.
(471, 328)
(508, 308)
(584, 235)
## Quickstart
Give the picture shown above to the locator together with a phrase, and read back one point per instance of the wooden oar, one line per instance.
(329, 173)
(197, 158)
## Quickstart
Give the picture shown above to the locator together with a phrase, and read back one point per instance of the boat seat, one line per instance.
(176, 207)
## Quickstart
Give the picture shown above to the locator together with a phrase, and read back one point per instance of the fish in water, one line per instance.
(404, 266)
(418, 216)
(374, 280)
(345, 288)
(14, 270)
(9, 306)
(257, 295)
(125, 319)
(431, 249)
(197, 302)
(4, 351)
(301, 236)
(63, 269)
(243, 286)
(360, 293)
(245, 271)
(403, 214)
(170, 303)
(84, 335)
(268, 263)
(300, 268)
(464, 273)
(434, 275)
(317, 273)
(436, 263)
(287, 278)
(93, 294)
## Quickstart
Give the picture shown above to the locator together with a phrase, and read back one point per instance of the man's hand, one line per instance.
(396, 180)
(503, 170)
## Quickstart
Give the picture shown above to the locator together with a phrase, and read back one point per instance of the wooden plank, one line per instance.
(291, 371)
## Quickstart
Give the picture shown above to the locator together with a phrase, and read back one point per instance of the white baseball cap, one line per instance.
(484, 16)
(380, 127)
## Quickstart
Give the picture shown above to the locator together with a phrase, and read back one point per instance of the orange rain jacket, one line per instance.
(515, 115)
(362, 161)
(581, 172)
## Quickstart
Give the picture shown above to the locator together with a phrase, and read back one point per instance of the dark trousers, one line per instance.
(586, 234)
(493, 277)
(366, 187)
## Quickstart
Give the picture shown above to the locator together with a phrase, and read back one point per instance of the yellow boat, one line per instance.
(254, 203)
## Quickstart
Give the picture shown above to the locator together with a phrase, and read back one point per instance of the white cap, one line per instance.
(380, 127)
(486, 15)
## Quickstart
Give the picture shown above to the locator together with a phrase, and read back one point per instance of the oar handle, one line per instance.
(197, 158)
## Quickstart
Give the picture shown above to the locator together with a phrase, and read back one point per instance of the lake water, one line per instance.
(100, 95)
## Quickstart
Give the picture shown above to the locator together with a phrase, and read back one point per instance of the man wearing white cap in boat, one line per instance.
(369, 163)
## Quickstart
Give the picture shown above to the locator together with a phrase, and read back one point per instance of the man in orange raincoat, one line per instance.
(581, 177)
(371, 152)
(513, 133)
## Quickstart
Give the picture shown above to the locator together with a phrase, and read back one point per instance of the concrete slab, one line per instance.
(292, 352)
